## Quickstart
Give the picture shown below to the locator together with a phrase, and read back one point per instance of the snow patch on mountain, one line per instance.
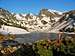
(50, 10)
(57, 18)
(18, 17)
(12, 30)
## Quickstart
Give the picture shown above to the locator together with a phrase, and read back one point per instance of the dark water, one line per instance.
(34, 36)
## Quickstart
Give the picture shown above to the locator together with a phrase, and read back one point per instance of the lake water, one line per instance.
(34, 36)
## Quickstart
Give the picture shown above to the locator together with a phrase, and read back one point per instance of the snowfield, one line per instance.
(12, 30)
(59, 12)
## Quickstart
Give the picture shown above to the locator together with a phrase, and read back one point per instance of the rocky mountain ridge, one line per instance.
(45, 21)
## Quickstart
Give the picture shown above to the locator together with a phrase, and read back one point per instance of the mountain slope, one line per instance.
(29, 22)
(12, 30)
(66, 23)
(46, 21)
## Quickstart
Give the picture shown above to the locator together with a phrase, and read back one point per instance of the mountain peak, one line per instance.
(51, 10)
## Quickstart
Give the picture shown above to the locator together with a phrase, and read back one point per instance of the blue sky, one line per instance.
(34, 6)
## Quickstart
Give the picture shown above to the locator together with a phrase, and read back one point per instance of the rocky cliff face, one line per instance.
(66, 23)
